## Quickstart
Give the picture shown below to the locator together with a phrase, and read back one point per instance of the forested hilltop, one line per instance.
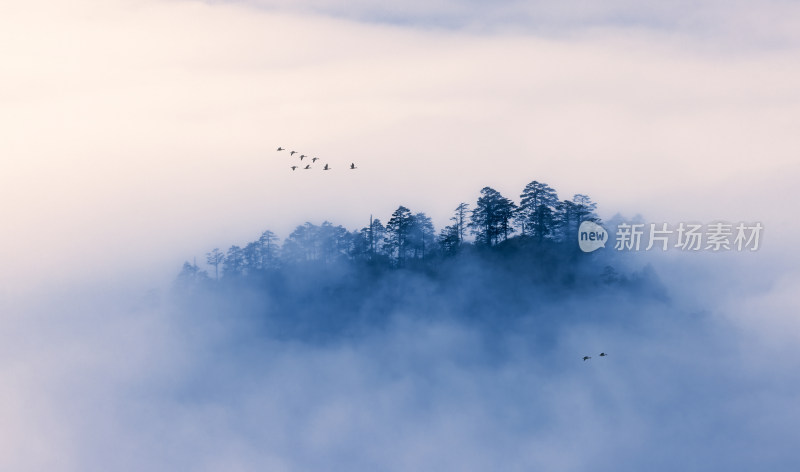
(496, 260)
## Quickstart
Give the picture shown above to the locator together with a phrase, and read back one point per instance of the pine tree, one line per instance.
(234, 262)
(269, 249)
(215, 258)
(570, 214)
(421, 235)
(460, 221)
(491, 218)
(397, 234)
(536, 213)
(449, 239)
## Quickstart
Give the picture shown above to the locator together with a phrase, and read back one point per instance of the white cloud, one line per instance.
(742, 24)
(140, 133)
(94, 384)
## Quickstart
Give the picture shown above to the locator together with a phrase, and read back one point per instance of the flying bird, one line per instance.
(307, 167)
(353, 166)
(326, 167)
(603, 354)
(293, 153)
(294, 167)
(302, 156)
(314, 159)
(280, 149)
(586, 358)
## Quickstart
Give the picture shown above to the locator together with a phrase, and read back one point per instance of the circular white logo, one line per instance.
(591, 236)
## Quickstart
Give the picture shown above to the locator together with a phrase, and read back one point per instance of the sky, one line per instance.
(143, 133)
(138, 134)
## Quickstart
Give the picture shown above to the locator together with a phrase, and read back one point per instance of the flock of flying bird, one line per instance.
(353, 167)
(586, 358)
(313, 160)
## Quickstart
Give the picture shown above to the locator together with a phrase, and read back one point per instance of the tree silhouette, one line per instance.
(190, 274)
(397, 234)
(234, 262)
(421, 235)
(491, 217)
(460, 221)
(333, 241)
(360, 246)
(269, 249)
(536, 213)
(566, 220)
(215, 258)
(376, 234)
(410, 235)
(302, 244)
(449, 239)
(570, 214)
(252, 256)
(585, 207)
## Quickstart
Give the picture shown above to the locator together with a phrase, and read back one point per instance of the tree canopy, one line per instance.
(409, 238)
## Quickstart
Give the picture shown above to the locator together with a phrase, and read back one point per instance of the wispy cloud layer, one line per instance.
(131, 116)
(139, 134)
(109, 383)
(740, 24)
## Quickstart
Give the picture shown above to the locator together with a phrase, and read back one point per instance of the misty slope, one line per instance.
(330, 357)
(474, 363)
(494, 288)
(470, 362)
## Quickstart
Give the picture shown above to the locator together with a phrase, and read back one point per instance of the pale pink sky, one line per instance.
(138, 134)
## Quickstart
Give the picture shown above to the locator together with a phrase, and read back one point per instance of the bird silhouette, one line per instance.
(293, 153)
(314, 159)
(586, 358)
(353, 166)
(326, 167)
(302, 156)
(308, 166)
(280, 149)
(603, 354)
(294, 167)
